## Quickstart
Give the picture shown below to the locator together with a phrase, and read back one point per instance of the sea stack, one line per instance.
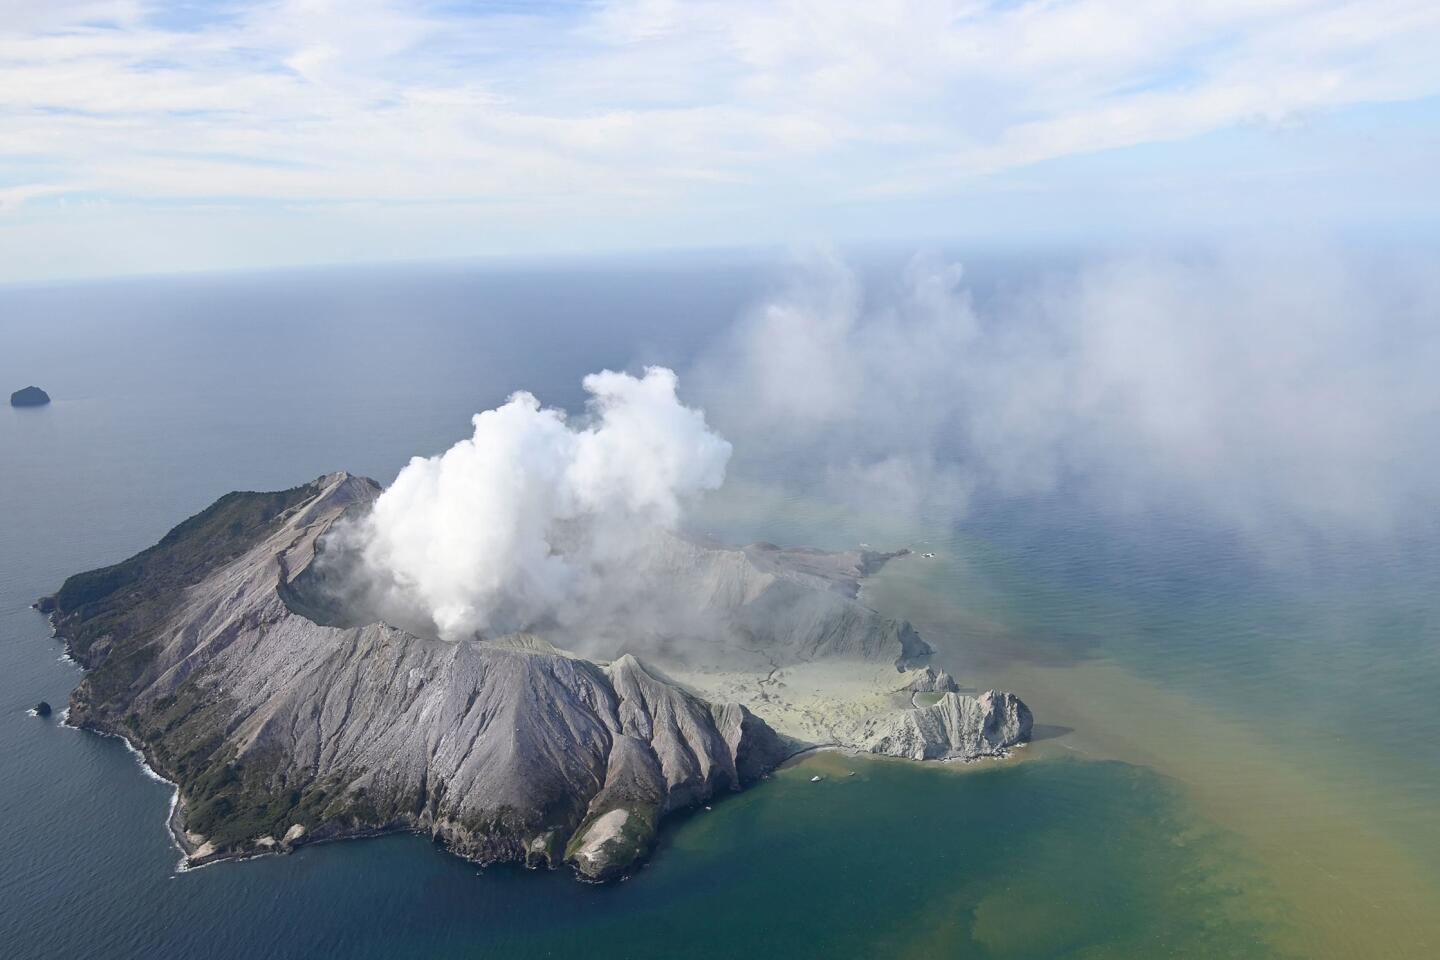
(29, 397)
(42, 709)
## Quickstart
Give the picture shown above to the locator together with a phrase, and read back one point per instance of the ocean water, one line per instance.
(1234, 758)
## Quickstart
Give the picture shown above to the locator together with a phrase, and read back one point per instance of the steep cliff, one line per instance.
(955, 727)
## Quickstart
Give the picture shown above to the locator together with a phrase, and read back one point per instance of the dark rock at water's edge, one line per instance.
(42, 709)
(29, 397)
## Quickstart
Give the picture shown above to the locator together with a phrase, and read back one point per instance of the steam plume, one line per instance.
(1274, 394)
(508, 527)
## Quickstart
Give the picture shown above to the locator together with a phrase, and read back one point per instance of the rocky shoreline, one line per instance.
(279, 731)
(198, 851)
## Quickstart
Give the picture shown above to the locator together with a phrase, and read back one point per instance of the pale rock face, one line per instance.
(930, 680)
(606, 831)
(954, 728)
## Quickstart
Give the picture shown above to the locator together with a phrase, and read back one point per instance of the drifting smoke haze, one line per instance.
(1266, 394)
(1272, 393)
(524, 520)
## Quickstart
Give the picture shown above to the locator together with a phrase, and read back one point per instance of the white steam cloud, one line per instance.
(1272, 391)
(521, 521)
(1275, 394)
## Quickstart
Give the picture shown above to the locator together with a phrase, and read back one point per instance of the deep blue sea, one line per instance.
(1234, 758)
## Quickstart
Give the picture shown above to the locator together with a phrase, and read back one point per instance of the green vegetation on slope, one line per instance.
(120, 601)
(108, 617)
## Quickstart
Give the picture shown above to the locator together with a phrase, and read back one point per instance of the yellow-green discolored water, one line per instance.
(1291, 713)
(1337, 839)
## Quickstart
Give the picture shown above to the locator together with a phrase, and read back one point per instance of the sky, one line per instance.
(156, 137)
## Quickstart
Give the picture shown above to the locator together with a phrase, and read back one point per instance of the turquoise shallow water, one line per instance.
(169, 393)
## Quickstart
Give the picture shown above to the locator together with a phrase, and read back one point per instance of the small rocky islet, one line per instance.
(283, 722)
(29, 397)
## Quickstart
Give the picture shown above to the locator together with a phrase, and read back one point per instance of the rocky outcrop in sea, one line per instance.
(29, 397)
(956, 727)
(929, 680)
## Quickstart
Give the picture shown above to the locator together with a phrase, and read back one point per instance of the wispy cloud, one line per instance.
(611, 107)
(1276, 392)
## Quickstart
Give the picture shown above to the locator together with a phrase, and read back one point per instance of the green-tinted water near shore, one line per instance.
(1233, 760)
(1037, 859)
(1291, 711)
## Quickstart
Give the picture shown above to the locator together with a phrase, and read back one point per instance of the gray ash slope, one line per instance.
(281, 730)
